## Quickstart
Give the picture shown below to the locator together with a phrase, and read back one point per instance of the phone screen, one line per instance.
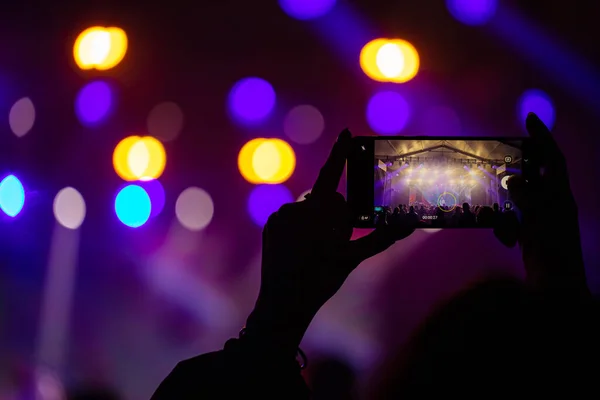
(437, 182)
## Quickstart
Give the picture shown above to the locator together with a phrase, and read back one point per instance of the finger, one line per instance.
(520, 192)
(507, 229)
(331, 173)
(552, 157)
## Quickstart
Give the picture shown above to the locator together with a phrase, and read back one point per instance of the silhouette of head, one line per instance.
(466, 207)
(495, 335)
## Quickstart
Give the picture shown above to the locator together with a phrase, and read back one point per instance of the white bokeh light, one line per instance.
(194, 209)
(304, 124)
(22, 116)
(165, 121)
(390, 60)
(301, 197)
(69, 208)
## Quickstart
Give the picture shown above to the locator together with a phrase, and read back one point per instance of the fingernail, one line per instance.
(345, 135)
(533, 116)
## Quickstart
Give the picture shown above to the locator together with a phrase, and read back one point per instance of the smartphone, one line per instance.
(435, 182)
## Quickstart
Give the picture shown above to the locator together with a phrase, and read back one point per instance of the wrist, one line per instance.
(275, 329)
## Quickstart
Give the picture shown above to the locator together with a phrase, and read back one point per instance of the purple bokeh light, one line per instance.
(156, 192)
(387, 113)
(472, 12)
(251, 100)
(306, 9)
(94, 103)
(537, 101)
(264, 200)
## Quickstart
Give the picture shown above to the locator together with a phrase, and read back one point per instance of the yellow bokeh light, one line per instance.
(157, 159)
(245, 160)
(100, 48)
(287, 159)
(390, 60)
(139, 158)
(266, 160)
(118, 48)
(121, 158)
(270, 161)
(411, 61)
(368, 60)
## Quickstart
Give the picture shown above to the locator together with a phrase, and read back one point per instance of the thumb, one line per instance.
(375, 242)
(520, 192)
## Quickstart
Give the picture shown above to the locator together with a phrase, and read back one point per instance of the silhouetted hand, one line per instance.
(549, 240)
(307, 255)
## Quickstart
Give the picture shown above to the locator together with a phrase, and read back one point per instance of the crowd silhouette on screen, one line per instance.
(427, 216)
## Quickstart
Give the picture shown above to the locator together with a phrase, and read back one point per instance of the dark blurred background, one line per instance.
(127, 304)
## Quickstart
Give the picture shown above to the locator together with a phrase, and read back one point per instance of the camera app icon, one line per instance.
(508, 159)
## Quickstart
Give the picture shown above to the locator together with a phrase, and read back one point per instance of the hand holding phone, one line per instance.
(434, 182)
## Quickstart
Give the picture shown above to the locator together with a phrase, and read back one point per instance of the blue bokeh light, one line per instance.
(387, 113)
(156, 192)
(12, 196)
(94, 103)
(264, 200)
(306, 9)
(251, 100)
(133, 206)
(537, 101)
(472, 12)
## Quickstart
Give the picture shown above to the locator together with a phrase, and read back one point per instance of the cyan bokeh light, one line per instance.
(387, 113)
(94, 103)
(306, 9)
(264, 200)
(156, 192)
(251, 100)
(472, 12)
(12, 196)
(133, 206)
(537, 101)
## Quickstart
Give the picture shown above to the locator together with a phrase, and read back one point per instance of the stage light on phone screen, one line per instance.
(306, 9)
(264, 200)
(12, 196)
(387, 113)
(472, 12)
(538, 102)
